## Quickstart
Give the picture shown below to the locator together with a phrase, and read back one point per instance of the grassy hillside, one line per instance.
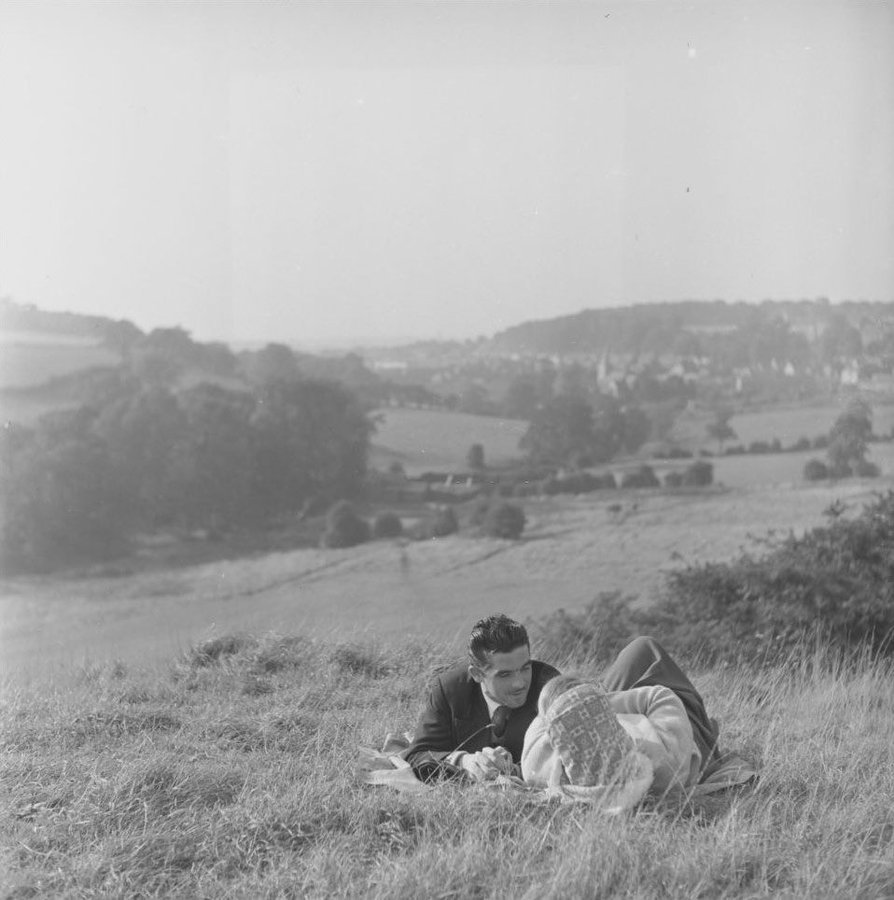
(231, 773)
(572, 549)
(31, 360)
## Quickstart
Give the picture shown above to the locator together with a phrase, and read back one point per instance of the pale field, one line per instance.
(424, 440)
(788, 424)
(572, 549)
(33, 363)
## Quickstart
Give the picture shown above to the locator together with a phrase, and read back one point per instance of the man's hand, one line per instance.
(487, 764)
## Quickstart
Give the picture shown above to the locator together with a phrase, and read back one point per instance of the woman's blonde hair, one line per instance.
(554, 689)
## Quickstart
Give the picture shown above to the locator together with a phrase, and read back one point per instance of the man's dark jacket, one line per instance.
(456, 710)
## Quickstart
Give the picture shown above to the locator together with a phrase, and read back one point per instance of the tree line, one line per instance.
(81, 483)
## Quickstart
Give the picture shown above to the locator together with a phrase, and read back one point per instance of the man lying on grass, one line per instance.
(475, 721)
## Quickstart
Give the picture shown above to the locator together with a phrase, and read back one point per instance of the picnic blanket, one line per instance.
(389, 768)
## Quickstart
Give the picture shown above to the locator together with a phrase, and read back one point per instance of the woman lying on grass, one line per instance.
(610, 748)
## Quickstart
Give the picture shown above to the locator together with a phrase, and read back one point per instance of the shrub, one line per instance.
(505, 520)
(387, 525)
(759, 447)
(479, 510)
(673, 479)
(596, 633)
(821, 442)
(475, 456)
(839, 470)
(643, 477)
(735, 450)
(607, 481)
(815, 470)
(699, 474)
(866, 469)
(802, 443)
(444, 522)
(834, 582)
(344, 528)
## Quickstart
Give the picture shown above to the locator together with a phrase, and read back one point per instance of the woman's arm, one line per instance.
(656, 719)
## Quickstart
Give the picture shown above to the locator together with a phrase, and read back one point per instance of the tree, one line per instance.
(219, 446)
(849, 438)
(637, 427)
(59, 504)
(160, 357)
(475, 456)
(271, 364)
(505, 520)
(311, 438)
(145, 433)
(719, 429)
(559, 431)
(344, 528)
(521, 399)
(840, 340)
(609, 427)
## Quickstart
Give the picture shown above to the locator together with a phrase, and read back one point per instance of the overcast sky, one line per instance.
(343, 171)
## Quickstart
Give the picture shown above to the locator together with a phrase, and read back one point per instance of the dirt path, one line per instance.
(573, 549)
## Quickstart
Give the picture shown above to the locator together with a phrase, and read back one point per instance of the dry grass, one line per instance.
(572, 550)
(231, 773)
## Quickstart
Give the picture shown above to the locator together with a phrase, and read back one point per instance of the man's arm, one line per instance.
(434, 735)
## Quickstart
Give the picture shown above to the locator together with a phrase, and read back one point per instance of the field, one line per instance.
(425, 440)
(786, 424)
(193, 731)
(30, 360)
(572, 549)
(231, 771)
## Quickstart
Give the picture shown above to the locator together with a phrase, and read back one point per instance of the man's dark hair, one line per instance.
(495, 634)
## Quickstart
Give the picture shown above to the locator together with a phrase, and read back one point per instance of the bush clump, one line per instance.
(834, 582)
(643, 477)
(673, 479)
(866, 469)
(344, 528)
(505, 520)
(699, 474)
(815, 470)
(594, 634)
(442, 523)
(387, 525)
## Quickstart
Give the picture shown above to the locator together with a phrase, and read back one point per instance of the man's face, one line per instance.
(508, 677)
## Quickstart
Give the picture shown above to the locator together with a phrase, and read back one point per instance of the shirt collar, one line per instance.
(491, 704)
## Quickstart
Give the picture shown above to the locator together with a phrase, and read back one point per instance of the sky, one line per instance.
(377, 172)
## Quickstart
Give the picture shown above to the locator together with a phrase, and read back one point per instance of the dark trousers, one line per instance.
(644, 663)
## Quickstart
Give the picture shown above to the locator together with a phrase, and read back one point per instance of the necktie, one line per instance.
(498, 720)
